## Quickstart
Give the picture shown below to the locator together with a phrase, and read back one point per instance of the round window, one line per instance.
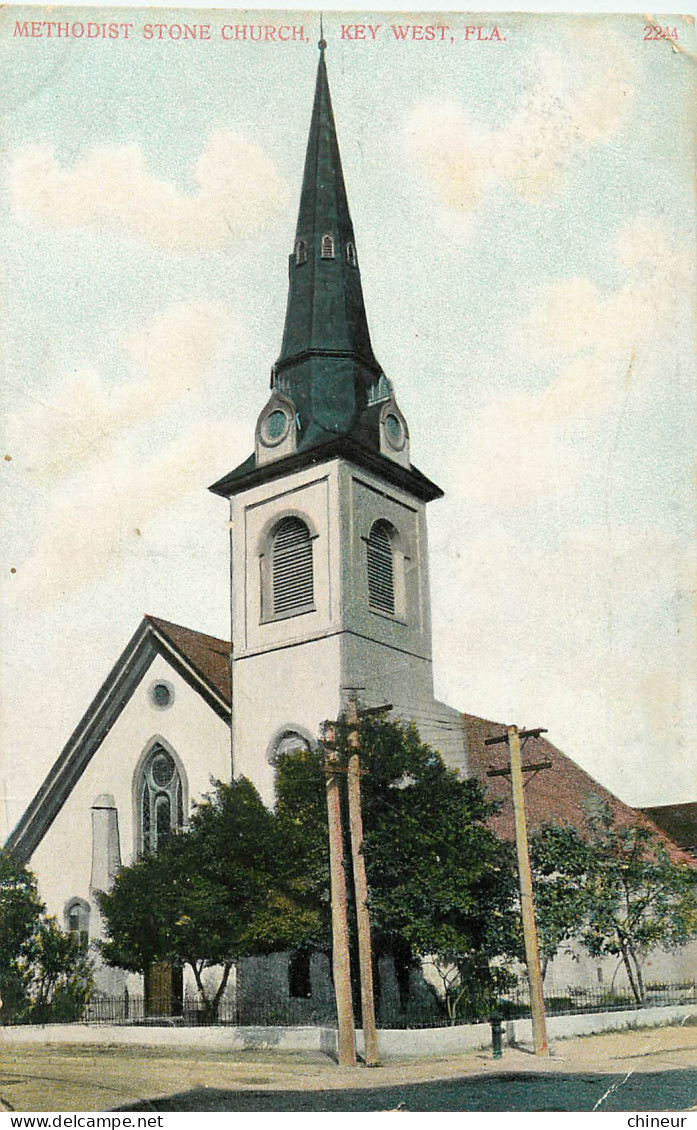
(394, 429)
(162, 769)
(275, 427)
(161, 695)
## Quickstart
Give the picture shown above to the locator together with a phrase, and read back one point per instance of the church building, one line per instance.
(329, 595)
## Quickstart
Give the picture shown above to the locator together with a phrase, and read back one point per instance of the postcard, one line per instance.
(349, 365)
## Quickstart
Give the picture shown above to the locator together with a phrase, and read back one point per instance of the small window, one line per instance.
(291, 568)
(77, 921)
(381, 569)
(289, 742)
(351, 255)
(327, 246)
(300, 252)
(161, 695)
(299, 978)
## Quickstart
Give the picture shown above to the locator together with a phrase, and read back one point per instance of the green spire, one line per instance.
(327, 363)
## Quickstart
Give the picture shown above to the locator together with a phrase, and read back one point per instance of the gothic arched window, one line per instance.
(351, 255)
(300, 252)
(161, 800)
(327, 246)
(381, 569)
(292, 589)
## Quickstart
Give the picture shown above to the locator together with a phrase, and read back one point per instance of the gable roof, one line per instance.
(203, 661)
(679, 821)
(209, 656)
(556, 795)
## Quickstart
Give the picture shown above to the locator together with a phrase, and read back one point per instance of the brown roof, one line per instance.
(552, 796)
(209, 655)
(679, 821)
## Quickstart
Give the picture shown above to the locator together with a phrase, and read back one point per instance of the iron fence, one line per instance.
(429, 1012)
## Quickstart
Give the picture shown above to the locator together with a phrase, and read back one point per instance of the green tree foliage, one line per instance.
(221, 891)
(441, 883)
(44, 972)
(58, 974)
(20, 914)
(616, 889)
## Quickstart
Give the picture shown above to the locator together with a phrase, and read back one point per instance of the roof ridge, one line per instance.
(158, 621)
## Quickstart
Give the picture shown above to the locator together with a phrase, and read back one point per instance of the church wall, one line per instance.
(197, 738)
(364, 500)
(311, 495)
(573, 967)
(289, 689)
(287, 671)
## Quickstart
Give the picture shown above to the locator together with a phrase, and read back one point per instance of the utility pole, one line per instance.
(341, 963)
(532, 955)
(365, 952)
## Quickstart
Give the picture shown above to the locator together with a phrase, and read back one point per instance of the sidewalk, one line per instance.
(102, 1078)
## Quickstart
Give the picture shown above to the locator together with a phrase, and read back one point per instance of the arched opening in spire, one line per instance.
(327, 246)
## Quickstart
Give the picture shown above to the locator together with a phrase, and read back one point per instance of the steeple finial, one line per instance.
(322, 41)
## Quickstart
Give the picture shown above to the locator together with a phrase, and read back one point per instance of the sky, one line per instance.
(525, 218)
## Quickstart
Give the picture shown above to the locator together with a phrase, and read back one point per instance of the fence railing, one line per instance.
(428, 1012)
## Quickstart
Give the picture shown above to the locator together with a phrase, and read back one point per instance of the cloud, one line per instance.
(572, 101)
(238, 190)
(592, 627)
(83, 414)
(97, 522)
(602, 345)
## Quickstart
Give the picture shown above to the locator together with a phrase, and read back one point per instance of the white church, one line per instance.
(329, 592)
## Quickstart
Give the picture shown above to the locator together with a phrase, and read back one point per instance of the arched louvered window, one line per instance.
(351, 255)
(291, 568)
(300, 252)
(381, 569)
(161, 800)
(327, 246)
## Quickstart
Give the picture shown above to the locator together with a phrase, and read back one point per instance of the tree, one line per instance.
(20, 914)
(58, 973)
(618, 891)
(44, 972)
(560, 892)
(441, 883)
(212, 895)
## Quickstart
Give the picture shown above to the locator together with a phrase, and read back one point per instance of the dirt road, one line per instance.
(654, 1069)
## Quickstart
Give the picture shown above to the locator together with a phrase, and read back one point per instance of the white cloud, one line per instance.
(573, 100)
(96, 522)
(83, 414)
(586, 635)
(528, 444)
(238, 190)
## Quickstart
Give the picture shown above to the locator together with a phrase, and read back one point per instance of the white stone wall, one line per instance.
(288, 673)
(200, 740)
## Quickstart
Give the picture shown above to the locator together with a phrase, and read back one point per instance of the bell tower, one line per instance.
(330, 584)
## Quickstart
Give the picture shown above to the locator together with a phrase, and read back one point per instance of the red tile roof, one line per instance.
(208, 655)
(552, 796)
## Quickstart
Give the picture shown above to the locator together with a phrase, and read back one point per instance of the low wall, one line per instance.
(393, 1042)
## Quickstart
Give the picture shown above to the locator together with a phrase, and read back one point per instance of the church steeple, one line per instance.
(329, 395)
(325, 314)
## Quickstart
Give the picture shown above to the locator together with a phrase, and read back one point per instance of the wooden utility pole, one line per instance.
(365, 952)
(532, 955)
(341, 963)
